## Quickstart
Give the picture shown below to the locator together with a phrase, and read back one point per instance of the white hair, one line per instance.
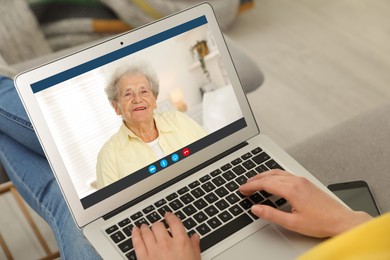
(143, 68)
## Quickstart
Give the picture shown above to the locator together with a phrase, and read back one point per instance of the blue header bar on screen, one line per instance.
(105, 59)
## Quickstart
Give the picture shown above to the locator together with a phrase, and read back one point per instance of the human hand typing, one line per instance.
(314, 213)
(156, 243)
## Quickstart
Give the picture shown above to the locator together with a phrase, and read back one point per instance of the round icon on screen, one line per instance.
(186, 151)
(163, 163)
(152, 169)
(175, 157)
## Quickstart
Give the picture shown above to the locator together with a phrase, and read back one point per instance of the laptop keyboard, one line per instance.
(211, 206)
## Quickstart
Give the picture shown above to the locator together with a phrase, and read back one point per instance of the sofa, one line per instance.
(357, 149)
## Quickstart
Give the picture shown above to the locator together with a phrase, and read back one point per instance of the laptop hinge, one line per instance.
(173, 181)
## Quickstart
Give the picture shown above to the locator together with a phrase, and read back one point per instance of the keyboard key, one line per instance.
(200, 217)
(127, 230)
(224, 231)
(261, 168)
(273, 165)
(172, 196)
(208, 186)
(225, 216)
(246, 204)
(241, 179)
(117, 237)
(229, 175)
(222, 204)
(148, 209)
(214, 222)
(126, 246)
(236, 161)
(176, 204)
(180, 215)
(249, 164)
(136, 216)
(211, 198)
(131, 255)
(189, 223)
(187, 198)
(280, 201)
(256, 150)
(160, 203)
(189, 210)
(250, 174)
(203, 229)
(205, 178)
(221, 192)
(265, 194)
(200, 204)
(246, 156)
(232, 198)
(256, 198)
(218, 181)
(164, 209)
(183, 190)
(211, 210)
(235, 210)
(124, 222)
(226, 167)
(198, 192)
(215, 172)
(111, 229)
(260, 158)
(239, 170)
(194, 184)
(141, 221)
(269, 203)
(231, 186)
(153, 217)
(240, 195)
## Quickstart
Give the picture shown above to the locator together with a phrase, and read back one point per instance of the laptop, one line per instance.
(198, 181)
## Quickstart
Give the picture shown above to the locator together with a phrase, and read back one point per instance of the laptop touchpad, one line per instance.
(267, 243)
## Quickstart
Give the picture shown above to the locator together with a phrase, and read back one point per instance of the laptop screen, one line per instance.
(100, 112)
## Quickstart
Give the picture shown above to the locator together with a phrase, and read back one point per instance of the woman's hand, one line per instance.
(157, 243)
(314, 213)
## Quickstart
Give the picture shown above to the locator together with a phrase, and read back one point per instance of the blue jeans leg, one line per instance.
(14, 121)
(32, 177)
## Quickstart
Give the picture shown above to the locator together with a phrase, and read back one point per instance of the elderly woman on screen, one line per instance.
(144, 136)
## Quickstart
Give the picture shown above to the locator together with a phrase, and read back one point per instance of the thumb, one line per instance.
(271, 214)
(195, 242)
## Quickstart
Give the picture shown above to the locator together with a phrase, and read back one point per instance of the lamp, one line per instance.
(177, 98)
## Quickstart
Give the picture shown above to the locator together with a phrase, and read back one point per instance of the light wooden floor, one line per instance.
(324, 62)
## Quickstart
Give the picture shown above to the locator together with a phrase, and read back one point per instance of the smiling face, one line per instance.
(135, 100)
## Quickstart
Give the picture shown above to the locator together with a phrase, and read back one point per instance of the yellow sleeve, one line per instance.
(370, 240)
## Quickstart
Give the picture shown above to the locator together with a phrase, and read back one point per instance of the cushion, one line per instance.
(358, 149)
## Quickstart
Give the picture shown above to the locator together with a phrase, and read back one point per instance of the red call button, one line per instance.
(185, 152)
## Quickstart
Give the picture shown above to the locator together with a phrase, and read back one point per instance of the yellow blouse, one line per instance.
(125, 153)
(370, 240)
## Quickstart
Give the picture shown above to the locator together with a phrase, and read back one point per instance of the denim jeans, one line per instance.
(28, 169)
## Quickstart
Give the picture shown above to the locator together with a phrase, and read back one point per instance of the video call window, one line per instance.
(192, 82)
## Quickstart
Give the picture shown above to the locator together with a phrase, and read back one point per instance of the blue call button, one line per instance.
(163, 163)
(152, 169)
(175, 157)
